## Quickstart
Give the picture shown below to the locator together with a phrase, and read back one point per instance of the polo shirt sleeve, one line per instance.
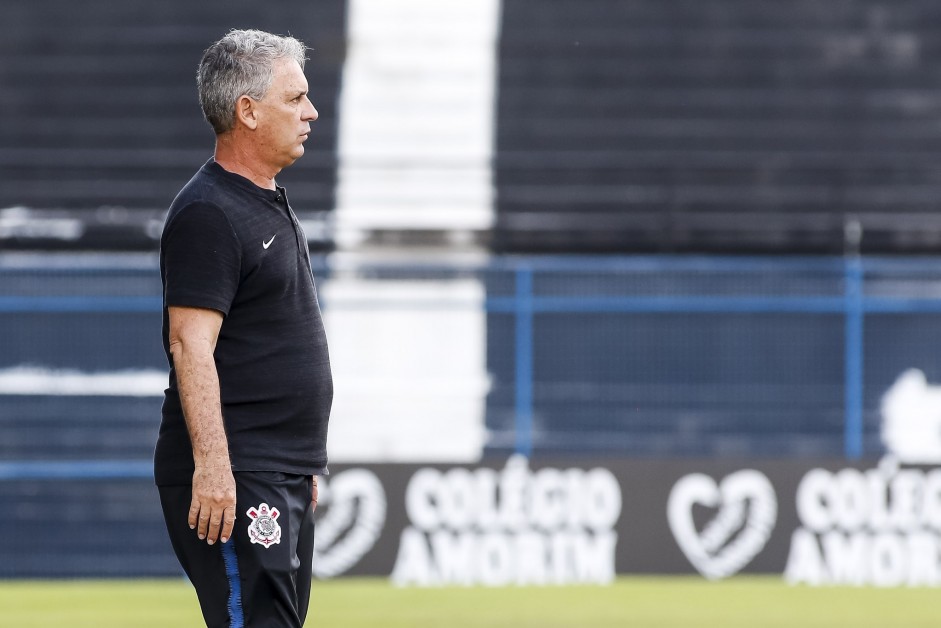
(201, 259)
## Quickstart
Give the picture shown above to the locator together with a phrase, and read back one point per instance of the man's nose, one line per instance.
(310, 113)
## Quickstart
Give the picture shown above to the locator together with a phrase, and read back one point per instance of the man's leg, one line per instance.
(274, 543)
(305, 552)
(216, 582)
(261, 577)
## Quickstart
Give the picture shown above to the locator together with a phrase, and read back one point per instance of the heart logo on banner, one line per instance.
(351, 513)
(746, 511)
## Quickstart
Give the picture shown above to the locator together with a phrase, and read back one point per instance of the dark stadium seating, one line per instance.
(744, 126)
(102, 117)
(718, 125)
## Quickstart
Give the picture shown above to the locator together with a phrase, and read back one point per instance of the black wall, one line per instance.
(718, 125)
(742, 126)
(101, 116)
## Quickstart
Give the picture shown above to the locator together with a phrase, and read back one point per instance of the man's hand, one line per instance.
(212, 511)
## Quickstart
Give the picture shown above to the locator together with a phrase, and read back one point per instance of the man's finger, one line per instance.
(228, 522)
(193, 513)
(202, 524)
(215, 523)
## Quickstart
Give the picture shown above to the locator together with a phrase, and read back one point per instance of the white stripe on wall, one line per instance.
(410, 370)
(416, 120)
(26, 380)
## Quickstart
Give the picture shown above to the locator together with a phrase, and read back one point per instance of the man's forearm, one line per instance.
(198, 383)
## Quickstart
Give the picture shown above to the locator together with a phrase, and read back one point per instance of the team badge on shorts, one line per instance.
(264, 528)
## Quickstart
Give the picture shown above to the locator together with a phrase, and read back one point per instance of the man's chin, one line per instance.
(293, 156)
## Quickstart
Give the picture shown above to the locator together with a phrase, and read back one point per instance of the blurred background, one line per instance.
(614, 241)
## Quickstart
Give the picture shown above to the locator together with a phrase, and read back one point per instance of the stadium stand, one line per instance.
(717, 125)
(103, 120)
(710, 125)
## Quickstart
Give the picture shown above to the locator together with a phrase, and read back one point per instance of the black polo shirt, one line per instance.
(234, 247)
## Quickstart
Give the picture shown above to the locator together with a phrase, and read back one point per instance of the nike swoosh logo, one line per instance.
(268, 243)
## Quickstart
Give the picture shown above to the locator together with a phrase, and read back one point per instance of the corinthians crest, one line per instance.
(264, 528)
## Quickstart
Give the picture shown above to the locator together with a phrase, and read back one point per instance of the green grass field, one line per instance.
(666, 602)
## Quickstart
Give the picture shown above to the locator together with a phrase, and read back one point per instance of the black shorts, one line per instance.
(260, 578)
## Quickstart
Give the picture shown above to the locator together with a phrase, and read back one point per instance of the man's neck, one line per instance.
(230, 156)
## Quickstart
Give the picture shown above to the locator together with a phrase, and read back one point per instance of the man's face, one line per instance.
(284, 115)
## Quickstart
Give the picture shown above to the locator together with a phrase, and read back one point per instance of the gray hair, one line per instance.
(240, 64)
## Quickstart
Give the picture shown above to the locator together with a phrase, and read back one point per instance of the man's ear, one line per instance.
(245, 112)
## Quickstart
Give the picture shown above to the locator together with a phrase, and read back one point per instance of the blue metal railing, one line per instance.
(76, 470)
(853, 304)
(74, 304)
(523, 309)
(526, 304)
(853, 361)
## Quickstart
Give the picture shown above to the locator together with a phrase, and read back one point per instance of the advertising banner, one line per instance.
(571, 521)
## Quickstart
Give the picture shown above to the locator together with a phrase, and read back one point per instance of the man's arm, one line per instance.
(193, 334)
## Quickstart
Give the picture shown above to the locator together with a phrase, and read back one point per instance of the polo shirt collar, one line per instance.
(214, 169)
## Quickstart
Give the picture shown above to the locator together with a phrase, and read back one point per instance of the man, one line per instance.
(243, 435)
